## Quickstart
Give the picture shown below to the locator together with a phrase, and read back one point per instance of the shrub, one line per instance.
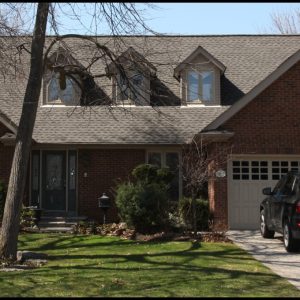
(202, 213)
(143, 204)
(147, 173)
(2, 199)
(27, 217)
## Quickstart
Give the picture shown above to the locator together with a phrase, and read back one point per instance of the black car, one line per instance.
(280, 211)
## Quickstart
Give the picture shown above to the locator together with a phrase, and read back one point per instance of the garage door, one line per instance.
(247, 176)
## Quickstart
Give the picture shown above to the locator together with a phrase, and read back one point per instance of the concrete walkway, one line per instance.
(270, 252)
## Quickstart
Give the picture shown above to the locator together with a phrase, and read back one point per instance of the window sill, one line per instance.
(59, 105)
(202, 103)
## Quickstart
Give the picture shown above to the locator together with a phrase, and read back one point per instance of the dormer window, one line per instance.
(199, 76)
(131, 83)
(131, 89)
(200, 86)
(70, 95)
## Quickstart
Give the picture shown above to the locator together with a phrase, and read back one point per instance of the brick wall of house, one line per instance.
(6, 155)
(269, 124)
(104, 168)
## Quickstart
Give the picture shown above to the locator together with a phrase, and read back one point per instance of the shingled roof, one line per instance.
(248, 60)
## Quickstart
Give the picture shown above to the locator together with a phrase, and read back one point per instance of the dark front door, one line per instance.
(54, 180)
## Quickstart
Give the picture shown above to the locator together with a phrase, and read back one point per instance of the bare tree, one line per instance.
(11, 217)
(199, 163)
(121, 18)
(286, 22)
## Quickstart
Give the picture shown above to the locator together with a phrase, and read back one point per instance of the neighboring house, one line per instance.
(242, 90)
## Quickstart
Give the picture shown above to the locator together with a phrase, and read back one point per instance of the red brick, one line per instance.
(269, 124)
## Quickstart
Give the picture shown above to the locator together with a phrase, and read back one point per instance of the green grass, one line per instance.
(109, 266)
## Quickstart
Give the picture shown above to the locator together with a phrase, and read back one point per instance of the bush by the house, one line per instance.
(147, 173)
(27, 217)
(202, 213)
(2, 199)
(143, 204)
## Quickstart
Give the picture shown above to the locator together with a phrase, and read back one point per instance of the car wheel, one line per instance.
(264, 230)
(290, 244)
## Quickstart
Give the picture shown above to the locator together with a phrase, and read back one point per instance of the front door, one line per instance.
(54, 180)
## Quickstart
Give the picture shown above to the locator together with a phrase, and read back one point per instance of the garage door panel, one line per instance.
(247, 176)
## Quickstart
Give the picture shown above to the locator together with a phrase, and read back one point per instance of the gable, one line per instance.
(202, 57)
(271, 121)
(269, 80)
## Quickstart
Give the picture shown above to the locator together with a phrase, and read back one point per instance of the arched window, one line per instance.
(68, 96)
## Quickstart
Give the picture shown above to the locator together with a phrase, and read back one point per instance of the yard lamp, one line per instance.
(104, 204)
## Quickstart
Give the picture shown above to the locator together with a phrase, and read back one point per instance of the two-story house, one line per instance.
(241, 90)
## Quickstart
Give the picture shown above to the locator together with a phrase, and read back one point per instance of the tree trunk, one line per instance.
(194, 214)
(17, 180)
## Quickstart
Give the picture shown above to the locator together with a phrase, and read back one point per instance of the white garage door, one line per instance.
(247, 176)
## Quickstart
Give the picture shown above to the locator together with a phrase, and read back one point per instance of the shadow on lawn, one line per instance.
(186, 256)
(72, 242)
(170, 269)
(69, 242)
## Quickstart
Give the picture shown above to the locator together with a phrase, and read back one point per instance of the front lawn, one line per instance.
(109, 266)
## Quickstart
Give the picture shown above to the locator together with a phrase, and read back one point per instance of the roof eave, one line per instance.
(7, 122)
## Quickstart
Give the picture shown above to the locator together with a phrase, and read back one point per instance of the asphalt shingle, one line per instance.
(248, 60)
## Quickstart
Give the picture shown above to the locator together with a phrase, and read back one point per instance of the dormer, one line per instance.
(199, 76)
(131, 74)
(61, 85)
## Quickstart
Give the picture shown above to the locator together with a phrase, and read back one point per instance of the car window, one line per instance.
(289, 186)
(279, 185)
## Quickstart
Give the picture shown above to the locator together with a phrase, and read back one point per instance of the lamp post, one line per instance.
(104, 204)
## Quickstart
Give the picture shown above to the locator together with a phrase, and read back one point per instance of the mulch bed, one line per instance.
(122, 231)
(216, 237)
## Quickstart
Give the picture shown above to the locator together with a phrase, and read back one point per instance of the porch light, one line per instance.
(104, 204)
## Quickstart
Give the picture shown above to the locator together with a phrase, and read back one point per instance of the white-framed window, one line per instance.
(132, 89)
(172, 160)
(58, 96)
(200, 86)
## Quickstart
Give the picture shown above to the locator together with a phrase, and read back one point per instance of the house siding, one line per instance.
(104, 169)
(269, 124)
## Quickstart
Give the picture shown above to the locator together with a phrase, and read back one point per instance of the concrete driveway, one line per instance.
(270, 252)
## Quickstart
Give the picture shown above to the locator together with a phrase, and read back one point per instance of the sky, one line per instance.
(216, 18)
(205, 18)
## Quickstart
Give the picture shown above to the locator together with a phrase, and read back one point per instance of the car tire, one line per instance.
(264, 230)
(290, 244)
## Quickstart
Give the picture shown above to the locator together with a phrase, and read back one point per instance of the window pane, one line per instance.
(72, 181)
(35, 171)
(35, 178)
(53, 89)
(137, 82)
(193, 85)
(207, 85)
(72, 172)
(137, 79)
(154, 158)
(54, 175)
(132, 90)
(66, 95)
